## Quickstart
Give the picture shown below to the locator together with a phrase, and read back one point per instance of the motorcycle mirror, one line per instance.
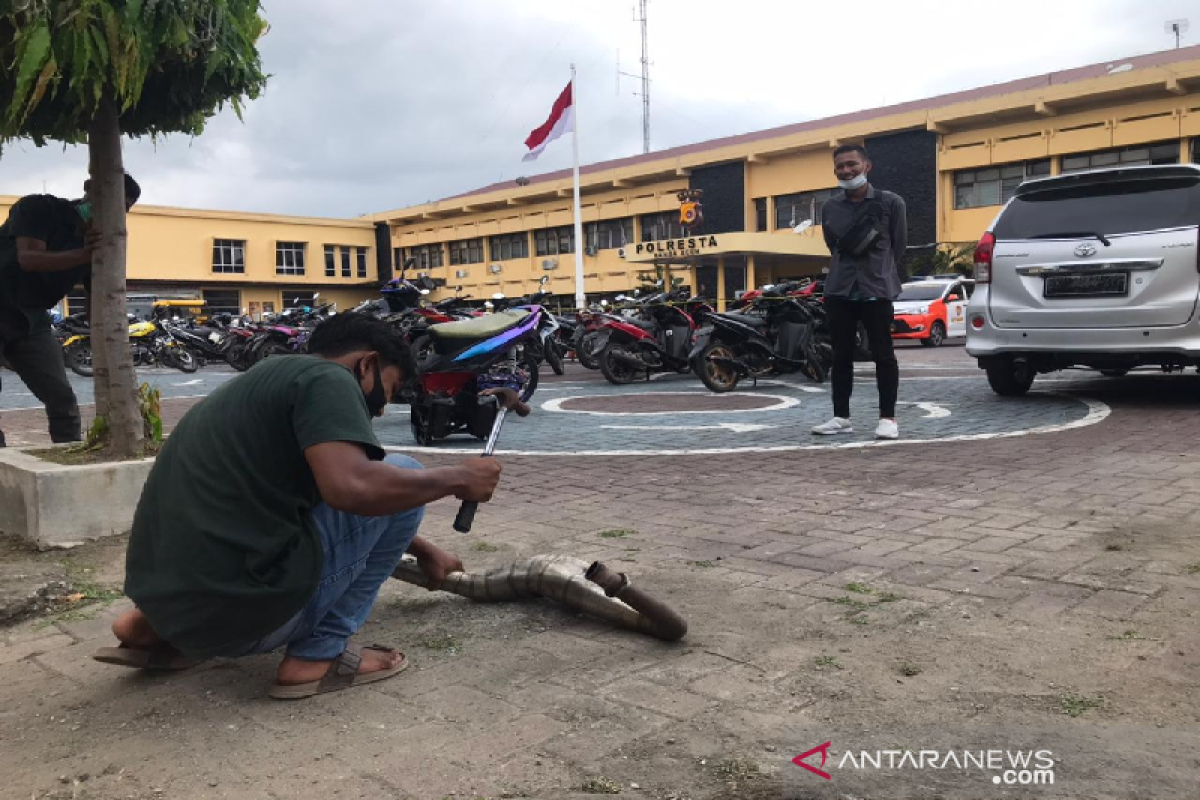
(498, 296)
(803, 226)
(658, 282)
(316, 295)
(604, 304)
(545, 279)
(488, 305)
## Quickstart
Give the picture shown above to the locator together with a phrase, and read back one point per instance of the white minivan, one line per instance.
(1094, 269)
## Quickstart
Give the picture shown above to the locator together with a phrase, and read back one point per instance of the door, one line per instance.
(956, 310)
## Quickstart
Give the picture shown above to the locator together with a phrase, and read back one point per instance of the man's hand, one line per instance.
(479, 479)
(91, 242)
(437, 563)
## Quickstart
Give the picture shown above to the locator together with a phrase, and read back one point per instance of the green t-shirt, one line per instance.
(224, 550)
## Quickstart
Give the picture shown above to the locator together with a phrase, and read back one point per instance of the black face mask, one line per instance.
(376, 398)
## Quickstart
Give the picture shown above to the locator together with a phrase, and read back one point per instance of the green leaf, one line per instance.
(33, 56)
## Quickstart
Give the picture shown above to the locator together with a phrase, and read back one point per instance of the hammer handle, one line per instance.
(466, 512)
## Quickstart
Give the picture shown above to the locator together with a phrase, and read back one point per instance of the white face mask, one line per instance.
(857, 182)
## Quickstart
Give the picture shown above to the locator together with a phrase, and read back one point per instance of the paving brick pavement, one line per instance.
(967, 581)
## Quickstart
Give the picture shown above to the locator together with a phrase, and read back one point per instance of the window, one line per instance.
(994, 186)
(665, 225)
(792, 209)
(427, 256)
(292, 299)
(345, 261)
(954, 294)
(289, 258)
(608, 234)
(760, 214)
(223, 301)
(1137, 155)
(1107, 207)
(509, 245)
(330, 261)
(1196, 150)
(553, 241)
(466, 251)
(360, 262)
(76, 303)
(229, 255)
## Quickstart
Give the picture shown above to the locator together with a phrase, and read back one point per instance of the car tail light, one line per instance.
(983, 258)
(977, 322)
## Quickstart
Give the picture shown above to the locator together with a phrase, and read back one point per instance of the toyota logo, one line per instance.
(1086, 249)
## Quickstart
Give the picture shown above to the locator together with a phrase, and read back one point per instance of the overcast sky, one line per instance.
(378, 104)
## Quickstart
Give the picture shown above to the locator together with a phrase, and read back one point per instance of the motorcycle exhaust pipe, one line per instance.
(628, 359)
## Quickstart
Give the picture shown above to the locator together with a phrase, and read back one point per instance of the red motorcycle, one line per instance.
(658, 340)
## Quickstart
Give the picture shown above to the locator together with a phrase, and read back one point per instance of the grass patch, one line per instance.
(1192, 569)
(1132, 636)
(78, 455)
(1114, 548)
(703, 564)
(600, 785)
(443, 641)
(484, 547)
(859, 588)
(827, 661)
(854, 605)
(909, 670)
(83, 598)
(860, 620)
(737, 767)
(617, 533)
(1074, 705)
(890, 597)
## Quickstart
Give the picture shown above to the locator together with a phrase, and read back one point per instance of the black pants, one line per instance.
(38, 360)
(876, 316)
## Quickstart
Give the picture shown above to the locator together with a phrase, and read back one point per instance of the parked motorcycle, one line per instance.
(459, 360)
(659, 341)
(149, 343)
(548, 348)
(779, 331)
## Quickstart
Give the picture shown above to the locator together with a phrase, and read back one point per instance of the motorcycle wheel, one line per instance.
(554, 358)
(235, 357)
(421, 349)
(275, 349)
(586, 352)
(79, 358)
(422, 433)
(715, 377)
(183, 360)
(613, 370)
(532, 368)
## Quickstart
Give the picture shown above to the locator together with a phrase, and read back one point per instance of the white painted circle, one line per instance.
(782, 402)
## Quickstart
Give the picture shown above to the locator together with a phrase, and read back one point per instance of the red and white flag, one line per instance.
(562, 119)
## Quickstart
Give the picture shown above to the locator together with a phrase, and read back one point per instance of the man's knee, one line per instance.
(402, 461)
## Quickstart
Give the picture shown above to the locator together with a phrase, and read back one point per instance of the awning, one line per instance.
(691, 249)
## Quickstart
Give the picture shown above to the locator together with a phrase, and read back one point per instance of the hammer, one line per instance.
(508, 400)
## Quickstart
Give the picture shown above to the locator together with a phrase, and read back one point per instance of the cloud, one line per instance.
(384, 103)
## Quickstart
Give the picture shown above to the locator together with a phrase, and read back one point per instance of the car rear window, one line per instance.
(921, 292)
(1119, 207)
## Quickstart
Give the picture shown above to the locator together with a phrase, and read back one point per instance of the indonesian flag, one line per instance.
(562, 119)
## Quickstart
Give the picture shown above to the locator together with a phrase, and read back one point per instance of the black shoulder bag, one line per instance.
(866, 227)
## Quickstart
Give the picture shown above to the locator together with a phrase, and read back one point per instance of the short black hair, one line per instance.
(349, 331)
(852, 148)
(132, 190)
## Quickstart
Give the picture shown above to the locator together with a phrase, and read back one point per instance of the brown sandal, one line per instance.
(160, 659)
(342, 674)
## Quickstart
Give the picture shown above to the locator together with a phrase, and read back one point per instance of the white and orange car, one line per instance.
(932, 309)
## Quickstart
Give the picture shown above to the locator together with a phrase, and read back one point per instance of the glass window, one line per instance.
(509, 245)
(345, 261)
(229, 255)
(427, 256)
(296, 298)
(792, 209)
(664, 225)
(993, 186)
(1109, 208)
(917, 292)
(360, 254)
(330, 261)
(466, 251)
(608, 234)
(554, 241)
(1132, 156)
(1196, 150)
(760, 214)
(289, 258)
(223, 301)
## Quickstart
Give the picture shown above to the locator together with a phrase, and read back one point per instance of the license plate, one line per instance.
(1105, 284)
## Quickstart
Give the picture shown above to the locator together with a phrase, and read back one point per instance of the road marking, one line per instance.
(555, 405)
(733, 427)
(188, 383)
(1096, 412)
(932, 410)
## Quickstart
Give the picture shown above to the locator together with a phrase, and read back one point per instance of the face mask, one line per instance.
(857, 182)
(377, 397)
(85, 211)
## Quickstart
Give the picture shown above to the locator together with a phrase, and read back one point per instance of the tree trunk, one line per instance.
(115, 378)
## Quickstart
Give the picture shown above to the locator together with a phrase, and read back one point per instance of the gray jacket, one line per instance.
(876, 272)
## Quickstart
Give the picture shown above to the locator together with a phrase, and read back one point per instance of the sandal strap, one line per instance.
(343, 670)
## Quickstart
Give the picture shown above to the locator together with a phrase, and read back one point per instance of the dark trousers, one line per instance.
(38, 360)
(876, 316)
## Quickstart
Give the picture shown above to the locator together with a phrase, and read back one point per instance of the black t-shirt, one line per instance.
(224, 550)
(25, 296)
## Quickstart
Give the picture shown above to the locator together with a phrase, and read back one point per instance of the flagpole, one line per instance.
(580, 298)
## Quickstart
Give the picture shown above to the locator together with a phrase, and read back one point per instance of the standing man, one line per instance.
(45, 251)
(867, 233)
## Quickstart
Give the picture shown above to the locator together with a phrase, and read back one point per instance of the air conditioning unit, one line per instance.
(621, 253)
(589, 251)
(461, 273)
(495, 268)
(549, 263)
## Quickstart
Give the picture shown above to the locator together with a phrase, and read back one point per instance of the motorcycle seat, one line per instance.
(753, 320)
(645, 325)
(479, 327)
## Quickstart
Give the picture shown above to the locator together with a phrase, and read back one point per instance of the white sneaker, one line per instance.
(887, 429)
(834, 426)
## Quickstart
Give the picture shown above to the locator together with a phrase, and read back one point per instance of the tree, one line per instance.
(92, 70)
(943, 259)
